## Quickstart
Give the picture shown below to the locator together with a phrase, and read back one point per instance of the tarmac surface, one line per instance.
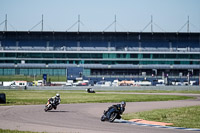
(84, 118)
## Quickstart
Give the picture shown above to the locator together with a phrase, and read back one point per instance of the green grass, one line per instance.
(159, 91)
(29, 97)
(15, 131)
(188, 117)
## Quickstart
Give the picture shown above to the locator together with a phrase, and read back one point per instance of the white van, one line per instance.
(144, 83)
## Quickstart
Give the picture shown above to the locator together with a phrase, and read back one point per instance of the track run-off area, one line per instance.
(85, 117)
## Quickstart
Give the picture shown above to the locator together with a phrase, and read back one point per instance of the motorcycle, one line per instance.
(90, 90)
(50, 105)
(111, 114)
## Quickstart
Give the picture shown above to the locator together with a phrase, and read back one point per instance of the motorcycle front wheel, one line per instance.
(46, 109)
(103, 118)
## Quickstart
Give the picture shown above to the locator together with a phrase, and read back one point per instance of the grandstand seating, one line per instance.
(61, 65)
(100, 66)
(40, 48)
(32, 65)
(7, 65)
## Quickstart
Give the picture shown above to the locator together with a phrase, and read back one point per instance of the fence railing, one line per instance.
(13, 48)
(111, 88)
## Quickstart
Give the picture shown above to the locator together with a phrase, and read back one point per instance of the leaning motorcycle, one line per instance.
(111, 114)
(50, 105)
(90, 90)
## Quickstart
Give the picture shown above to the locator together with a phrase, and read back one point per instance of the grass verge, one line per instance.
(29, 97)
(188, 117)
(15, 131)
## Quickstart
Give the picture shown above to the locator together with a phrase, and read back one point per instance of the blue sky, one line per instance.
(132, 15)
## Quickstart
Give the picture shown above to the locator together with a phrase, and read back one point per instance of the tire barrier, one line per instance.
(2, 98)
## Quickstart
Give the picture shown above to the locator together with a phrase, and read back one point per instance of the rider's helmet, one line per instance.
(57, 95)
(123, 104)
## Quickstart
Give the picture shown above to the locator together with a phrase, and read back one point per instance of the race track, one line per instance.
(83, 118)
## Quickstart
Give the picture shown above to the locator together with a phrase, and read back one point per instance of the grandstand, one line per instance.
(93, 55)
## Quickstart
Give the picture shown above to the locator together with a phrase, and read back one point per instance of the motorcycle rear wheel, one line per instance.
(112, 116)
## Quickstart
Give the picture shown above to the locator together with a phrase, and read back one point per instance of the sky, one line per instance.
(99, 15)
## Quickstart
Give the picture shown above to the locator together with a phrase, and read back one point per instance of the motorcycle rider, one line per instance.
(55, 100)
(120, 107)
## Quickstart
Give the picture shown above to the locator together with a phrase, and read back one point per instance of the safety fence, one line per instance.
(116, 88)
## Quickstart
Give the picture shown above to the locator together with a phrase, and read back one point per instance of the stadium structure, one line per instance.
(101, 55)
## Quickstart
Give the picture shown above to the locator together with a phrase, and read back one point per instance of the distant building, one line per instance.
(97, 55)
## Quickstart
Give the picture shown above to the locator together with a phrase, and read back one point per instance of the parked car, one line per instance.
(103, 83)
(144, 83)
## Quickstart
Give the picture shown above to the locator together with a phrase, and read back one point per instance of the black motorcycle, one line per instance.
(90, 90)
(111, 114)
(50, 105)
